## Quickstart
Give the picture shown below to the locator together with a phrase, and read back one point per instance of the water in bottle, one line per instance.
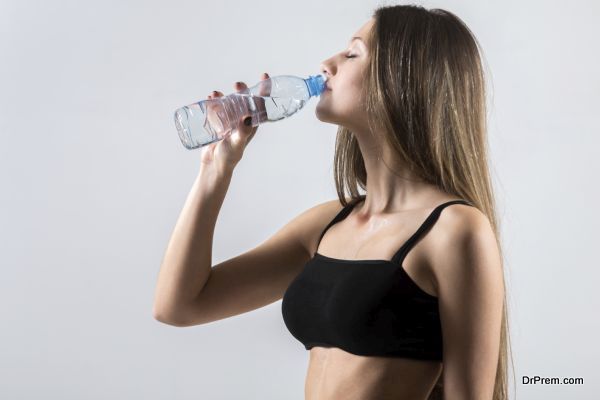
(272, 99)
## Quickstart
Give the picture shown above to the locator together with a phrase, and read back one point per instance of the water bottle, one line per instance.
(272, 99)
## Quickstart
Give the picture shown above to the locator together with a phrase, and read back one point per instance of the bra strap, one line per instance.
(431, 219)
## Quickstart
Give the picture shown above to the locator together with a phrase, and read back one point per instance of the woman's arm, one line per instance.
(191, 291)
(187, 262)
(470, 299)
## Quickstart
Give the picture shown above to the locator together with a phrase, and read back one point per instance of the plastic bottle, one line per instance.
(272, 99)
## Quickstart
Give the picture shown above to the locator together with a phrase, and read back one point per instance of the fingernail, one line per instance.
(248, 121)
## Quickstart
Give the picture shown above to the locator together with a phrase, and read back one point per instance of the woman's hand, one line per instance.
(223, 155)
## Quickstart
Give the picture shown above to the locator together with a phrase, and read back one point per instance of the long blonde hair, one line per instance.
(424, 91)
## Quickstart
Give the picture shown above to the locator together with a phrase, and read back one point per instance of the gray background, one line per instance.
(93, 177)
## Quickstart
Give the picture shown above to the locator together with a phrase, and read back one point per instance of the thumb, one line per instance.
(247, 131)
(242, 132)
(245, 125)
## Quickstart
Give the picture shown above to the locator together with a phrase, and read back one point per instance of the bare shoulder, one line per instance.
(460, 219)
(460, 232)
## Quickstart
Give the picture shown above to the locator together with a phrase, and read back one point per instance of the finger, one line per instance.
(240, 86)
(265, 87)
(247, 121)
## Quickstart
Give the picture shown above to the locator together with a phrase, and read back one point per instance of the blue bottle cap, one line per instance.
(316, 84)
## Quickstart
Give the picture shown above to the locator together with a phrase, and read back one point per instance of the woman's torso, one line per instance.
(337, 374)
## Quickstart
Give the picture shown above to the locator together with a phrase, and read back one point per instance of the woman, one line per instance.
(399, 293)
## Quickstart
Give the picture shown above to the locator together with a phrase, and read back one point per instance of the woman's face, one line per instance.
(342, 104)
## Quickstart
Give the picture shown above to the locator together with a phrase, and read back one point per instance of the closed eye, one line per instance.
(350, 56)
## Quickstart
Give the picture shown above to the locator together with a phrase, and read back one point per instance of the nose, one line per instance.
(327, 69)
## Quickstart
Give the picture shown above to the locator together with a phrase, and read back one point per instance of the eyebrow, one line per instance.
(356, 37)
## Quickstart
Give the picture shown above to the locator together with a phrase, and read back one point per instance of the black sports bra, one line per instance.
(365, 307)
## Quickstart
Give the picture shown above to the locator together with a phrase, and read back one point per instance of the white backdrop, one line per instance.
(93, 177)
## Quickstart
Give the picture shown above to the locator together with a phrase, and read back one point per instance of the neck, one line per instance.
(391, 186)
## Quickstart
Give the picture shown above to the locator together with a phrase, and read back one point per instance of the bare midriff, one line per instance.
(335, 374)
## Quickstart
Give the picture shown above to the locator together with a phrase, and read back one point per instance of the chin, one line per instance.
(325, 115)
(326, 119)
